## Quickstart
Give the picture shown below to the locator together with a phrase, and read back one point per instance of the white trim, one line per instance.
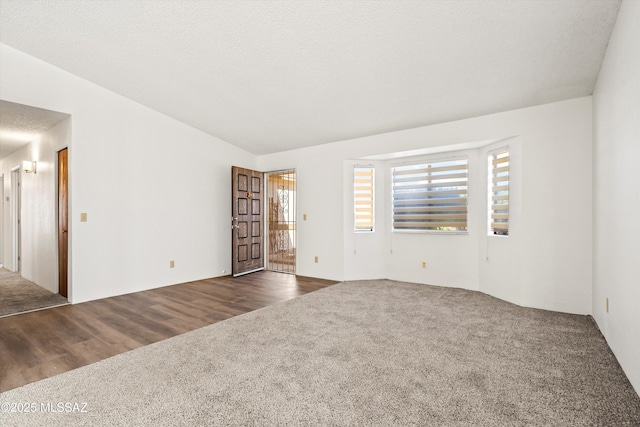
(373, 198)
(268, 212)
(247, 272)
(2, 220)
(427, 160)
(15, 218)
(36, 309)
(489, 155)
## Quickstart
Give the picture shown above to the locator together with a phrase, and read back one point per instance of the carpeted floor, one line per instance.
(18, 295)
(357, 353)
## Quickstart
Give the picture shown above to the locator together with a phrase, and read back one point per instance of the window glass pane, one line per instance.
(431, 196)
(499, 192)
(363, 178)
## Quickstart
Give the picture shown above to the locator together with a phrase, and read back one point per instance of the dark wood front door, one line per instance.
(63, 222)
(247, 221)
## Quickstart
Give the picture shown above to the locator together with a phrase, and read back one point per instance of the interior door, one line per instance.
(247, 221)
(63, 222)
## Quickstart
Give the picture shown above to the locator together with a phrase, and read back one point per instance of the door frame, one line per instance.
(264, 226)
(62, 224)
(267, 217)
(1, 220)
(245, 225)
(16, 234)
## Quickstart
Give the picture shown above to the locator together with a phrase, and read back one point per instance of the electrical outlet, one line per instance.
(424, 264)
(172, 264)
(316, 260)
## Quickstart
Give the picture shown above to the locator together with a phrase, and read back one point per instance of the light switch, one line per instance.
(304, 217)
(83, 217)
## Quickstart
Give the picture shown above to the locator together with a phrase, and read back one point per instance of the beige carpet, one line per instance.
(358, 353)
(18, 295)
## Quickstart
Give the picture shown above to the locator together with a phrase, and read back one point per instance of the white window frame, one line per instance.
(364, 200)
(498, 191)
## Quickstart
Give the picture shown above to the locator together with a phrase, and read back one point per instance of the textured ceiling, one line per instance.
(21, 124)
(275, 75)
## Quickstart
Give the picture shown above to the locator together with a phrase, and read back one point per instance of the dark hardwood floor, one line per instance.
(40, 344)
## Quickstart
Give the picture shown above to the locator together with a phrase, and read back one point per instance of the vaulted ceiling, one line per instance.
(270, 76)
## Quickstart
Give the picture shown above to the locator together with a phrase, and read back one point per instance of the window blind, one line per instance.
(363, 178)
(499, 191)
(431, 196)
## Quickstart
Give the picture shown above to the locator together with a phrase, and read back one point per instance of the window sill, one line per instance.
(436, 232)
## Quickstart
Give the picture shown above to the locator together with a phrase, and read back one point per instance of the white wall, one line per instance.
(157, 190)
(2, 214)
(10, 162)
(500, 260)
(39, 255)
(6, 165)
(364, 252)
(154, 188)
(452, 259)
(5, 218)
(544, 263)
(616, 192)
(319, 192)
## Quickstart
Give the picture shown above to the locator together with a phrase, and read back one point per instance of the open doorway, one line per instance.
(281, 221)
(63, 221)
(19, 294)
(30, 139)
(251, 251)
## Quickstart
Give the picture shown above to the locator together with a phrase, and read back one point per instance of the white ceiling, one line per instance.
(21, 124)
(275, 75)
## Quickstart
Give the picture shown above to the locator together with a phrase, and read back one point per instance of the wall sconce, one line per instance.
(28, 166)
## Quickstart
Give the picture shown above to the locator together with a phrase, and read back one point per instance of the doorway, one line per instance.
(281, 223)
(252, 194)
(30, 235)
(15, 219)
(63, 221)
